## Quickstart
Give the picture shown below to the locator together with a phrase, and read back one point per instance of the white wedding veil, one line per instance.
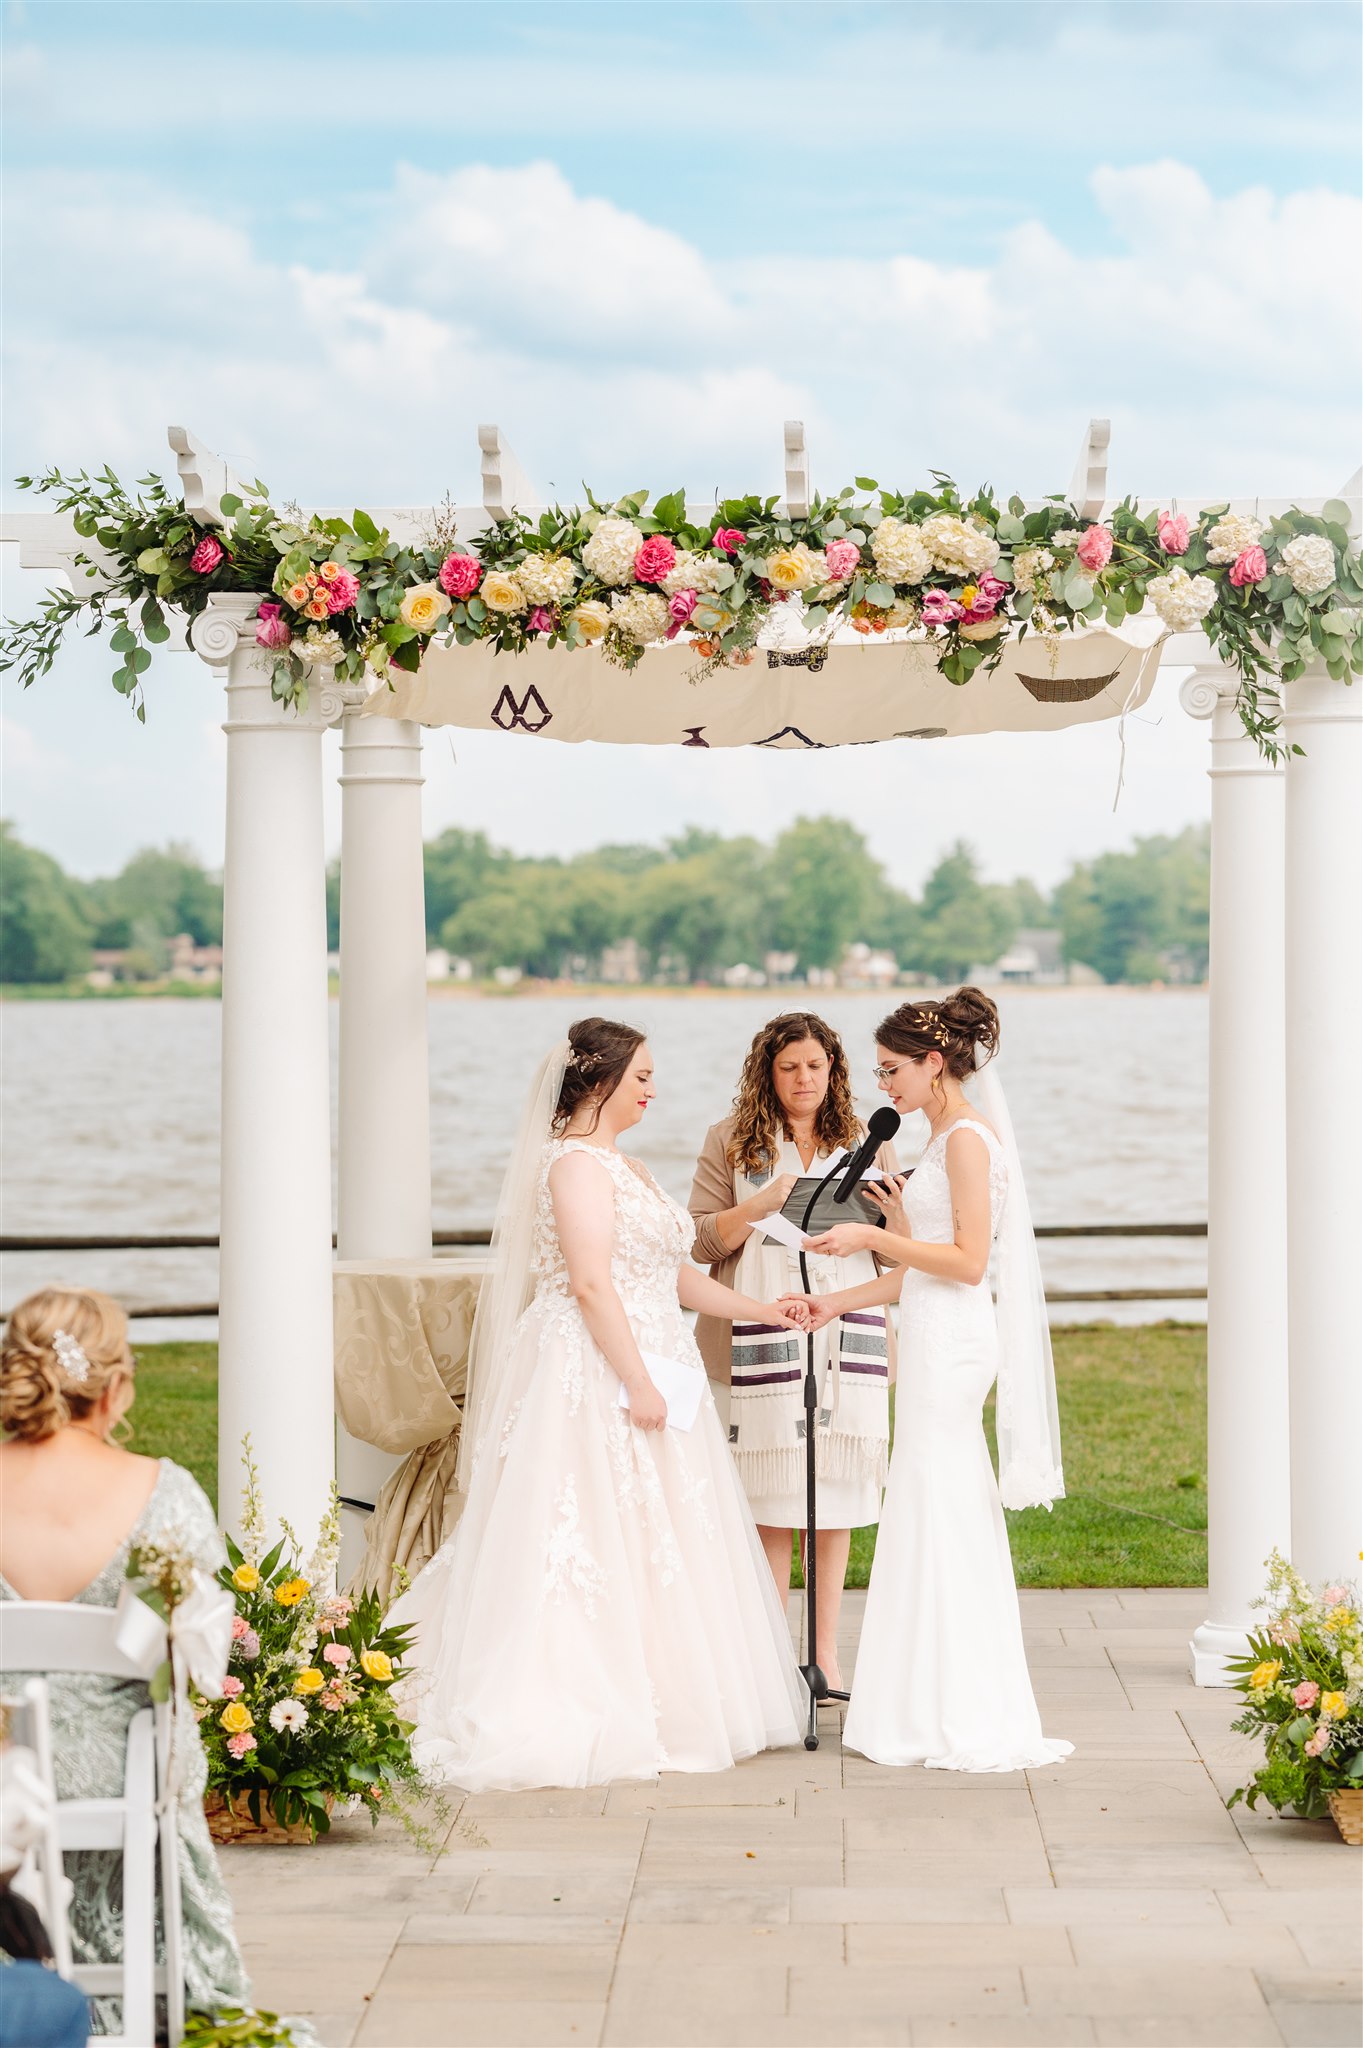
(506, 1291)
(1026, 1412)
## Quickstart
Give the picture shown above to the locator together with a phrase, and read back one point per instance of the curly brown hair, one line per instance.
(760, 1122)
(601, 1051)
(38, 1393)
(953, 1027)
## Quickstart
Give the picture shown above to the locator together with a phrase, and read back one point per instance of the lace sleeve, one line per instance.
(182, 1510)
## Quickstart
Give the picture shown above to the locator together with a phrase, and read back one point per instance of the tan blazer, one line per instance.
(712, 1192)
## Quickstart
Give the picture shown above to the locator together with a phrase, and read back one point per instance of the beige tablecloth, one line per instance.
(402, 1339)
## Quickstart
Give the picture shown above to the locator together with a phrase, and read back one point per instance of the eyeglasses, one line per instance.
(885, 1073)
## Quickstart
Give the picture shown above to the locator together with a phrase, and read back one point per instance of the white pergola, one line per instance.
(1285, 1198)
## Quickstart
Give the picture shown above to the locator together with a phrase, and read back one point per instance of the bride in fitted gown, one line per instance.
(603, 1609)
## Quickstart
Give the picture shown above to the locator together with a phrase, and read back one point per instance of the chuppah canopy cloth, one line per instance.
(856, 690)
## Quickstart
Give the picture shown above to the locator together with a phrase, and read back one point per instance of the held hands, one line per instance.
(844, 1239)
(817, 1308)
(772, 1197)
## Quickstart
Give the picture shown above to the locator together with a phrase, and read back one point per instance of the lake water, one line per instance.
(110, 1115)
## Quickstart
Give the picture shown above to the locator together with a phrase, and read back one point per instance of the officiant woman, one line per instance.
(792, 1111)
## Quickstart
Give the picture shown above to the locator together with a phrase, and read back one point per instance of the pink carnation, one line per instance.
(1251, 566)
(940, 610)
(1333, 1596)
(1318, 1743)
(680, 606)
(460, 575)
(1173, 533)
(1307, 1693)
(272, 630)
(342, 590)
(844, 559)
(728, 540)
(656, 558)
(240, 1745)
(250, 1645)
(206, 556)
(231, 1687)
(541, 620)
(336, 1653)
(332, 1700)
(1095, 547)
(240, 1627)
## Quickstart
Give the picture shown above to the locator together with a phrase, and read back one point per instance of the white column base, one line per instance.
(1212, 1645)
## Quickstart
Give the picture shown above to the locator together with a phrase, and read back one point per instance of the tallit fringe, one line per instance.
(837, 1455)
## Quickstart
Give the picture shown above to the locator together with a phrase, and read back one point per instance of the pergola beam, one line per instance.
(1088, 486)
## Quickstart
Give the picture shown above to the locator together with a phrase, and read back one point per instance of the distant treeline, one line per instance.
(694, 906)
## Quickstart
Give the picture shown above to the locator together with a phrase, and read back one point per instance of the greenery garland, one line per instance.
(1270, 596)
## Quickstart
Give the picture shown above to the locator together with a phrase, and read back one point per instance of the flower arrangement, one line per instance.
(1303, 1688)
(306, 1715)
(960, 573)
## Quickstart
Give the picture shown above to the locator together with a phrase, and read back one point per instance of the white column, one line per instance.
(275, 1341)
(384, 1125)
(1247, 1473)
(1324, 1120)
(383, 1136)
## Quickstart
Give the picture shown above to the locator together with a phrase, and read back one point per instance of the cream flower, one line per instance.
(545, 579)
(319, 645)
(591, 620)
(1181, 600)
(610, 552)
(501, 591)
(798, 567)
(641, 615)
(957, 545)
(1029, 564)
(1310, 561)
(983, 629)
(903, 612)
(693, 572)
(424, 607)
(1231, 536)
(899, 552)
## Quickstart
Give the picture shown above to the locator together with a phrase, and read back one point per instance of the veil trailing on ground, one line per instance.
(506, 1292)
(1027, 1415)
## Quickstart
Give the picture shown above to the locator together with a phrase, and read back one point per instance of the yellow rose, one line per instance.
(1334, 1704)
(501, 592)
(591, 620)
(376, 1664)
(291, 1592)
(785, 570)
(423, 607)
(309, 1680)
(1263, 1675)
(235, 1718)
(246, 1578)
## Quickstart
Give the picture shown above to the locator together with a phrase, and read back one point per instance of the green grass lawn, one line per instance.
(1133, 1406)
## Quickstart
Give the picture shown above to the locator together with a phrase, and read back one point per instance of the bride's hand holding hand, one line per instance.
(819, 1308)
(791, 1312)
(844, 1239)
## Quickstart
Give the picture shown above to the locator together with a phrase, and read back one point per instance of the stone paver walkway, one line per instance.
(808, 1899)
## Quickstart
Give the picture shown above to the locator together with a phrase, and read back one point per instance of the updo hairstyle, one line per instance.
(39, 1395)
(952, 1027)
(601, 1051)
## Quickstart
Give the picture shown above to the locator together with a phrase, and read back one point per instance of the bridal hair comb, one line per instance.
(70, 1357)
(585, 1061)
(927, 1022)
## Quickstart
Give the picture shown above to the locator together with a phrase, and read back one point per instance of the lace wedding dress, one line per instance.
(941, 1676)
(603, 1609)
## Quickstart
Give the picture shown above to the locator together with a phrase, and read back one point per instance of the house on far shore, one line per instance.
(182, 961)
(865, 966)
(1034, 960)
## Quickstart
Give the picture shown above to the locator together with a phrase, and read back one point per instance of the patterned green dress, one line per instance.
(90, 1718)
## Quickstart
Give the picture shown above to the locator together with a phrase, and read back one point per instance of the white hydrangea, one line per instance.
(900, 552)
(693, 572)
(546, 579)
(1181, 600)
(1029, 564)
(641, 615)
(319, 644)
(1310, 561)
(957, 546)
(1067, 536)
(610, 552)
(1231, 536)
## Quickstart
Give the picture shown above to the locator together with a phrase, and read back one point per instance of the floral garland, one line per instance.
(1270, 596)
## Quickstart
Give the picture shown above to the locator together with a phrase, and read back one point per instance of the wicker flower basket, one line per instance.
(1347, 1809)
(230, 1820)
(1066, 689)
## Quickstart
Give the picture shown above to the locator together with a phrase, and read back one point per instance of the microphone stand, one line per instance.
(819, 1688)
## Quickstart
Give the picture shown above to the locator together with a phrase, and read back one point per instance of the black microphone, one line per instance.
(882, 1127)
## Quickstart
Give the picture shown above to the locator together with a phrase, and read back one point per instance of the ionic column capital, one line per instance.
(217, 633)
(1202, 691)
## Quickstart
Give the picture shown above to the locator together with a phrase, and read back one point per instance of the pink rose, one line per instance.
(342, 590)
(1173, 533)
(541, 620)
(250, 1645)
(240, 1745)
(1095, 547)
(460, 575)
(206, 556)
(940, 610)
(272, 630)
(728, 540)
(333, 1701)
(240, 1626)
(1318, 1743)
(231, 1687)
(680, 606)
(844, 559)
(1249, 567)
(989, 595)
(656, 558)
(336, 1653)
(1307, 1693)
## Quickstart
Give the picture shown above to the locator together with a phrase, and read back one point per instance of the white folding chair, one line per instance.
(56, 1636)
(41, 1878)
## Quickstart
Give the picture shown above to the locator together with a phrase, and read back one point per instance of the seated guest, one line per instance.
(72, 1501)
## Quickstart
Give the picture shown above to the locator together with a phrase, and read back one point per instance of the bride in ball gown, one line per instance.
(603, 1609)
(941, 1673)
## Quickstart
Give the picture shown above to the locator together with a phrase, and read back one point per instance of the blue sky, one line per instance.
(333, 238)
